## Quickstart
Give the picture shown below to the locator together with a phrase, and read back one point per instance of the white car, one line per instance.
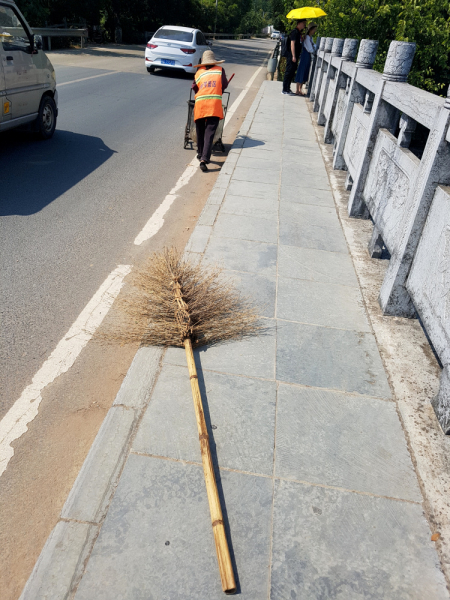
(275, 35)
(175, 48)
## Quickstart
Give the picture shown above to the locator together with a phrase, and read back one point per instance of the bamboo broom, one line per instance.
(176, 302)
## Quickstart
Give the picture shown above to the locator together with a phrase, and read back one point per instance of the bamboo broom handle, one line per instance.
(220, 538)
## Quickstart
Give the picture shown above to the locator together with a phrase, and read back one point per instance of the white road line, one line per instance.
(25, 409)
(156, 221)
(86, 78)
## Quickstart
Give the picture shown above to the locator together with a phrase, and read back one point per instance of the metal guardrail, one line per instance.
(50, 32)
(228, 36)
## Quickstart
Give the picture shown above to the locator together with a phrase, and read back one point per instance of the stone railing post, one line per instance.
(348, 54)
(317, 69)
(365, 59)
(323, 69)
(397, 67)
(336, 51)
(434, 169)
(312, 68)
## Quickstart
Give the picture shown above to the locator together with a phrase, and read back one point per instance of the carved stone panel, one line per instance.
(357, 133)
(392, 174)
(329, 99)
(429, 279)
(339, 112)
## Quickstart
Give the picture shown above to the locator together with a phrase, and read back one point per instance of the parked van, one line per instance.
(27, 78)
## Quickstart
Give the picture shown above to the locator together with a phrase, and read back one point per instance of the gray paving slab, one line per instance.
(299, 143)
(302, 195)
(140, 378)
(239, 412)
(334, 544)
(242, 255)
(199, 238)
(260, 163)
(157, 541)
(330, 358)
(90, 496)
(266, 208)
(209, 214)
(308, 178)
(261, 289)
(253, 189)
(216, 196)
(323, 216)
(316, 265)
(321, 303)
(251, 357)
(305, 235)
(322, 437)
(243, 227)
(256, 175)
(59, 563)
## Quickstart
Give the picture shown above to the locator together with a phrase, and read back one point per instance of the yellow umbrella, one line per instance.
(306, 12)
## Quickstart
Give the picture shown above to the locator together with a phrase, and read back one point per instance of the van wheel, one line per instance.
(46, 121)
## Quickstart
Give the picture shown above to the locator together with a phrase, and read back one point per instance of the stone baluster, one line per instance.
(322, 74)
(349, 49)
(318, 65)
(399, 61)
(348, 54)
(312, 69)
(365, 59)
(397, 66)
(433, 170)
(336, 51)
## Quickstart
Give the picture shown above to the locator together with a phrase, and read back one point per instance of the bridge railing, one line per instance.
(370, 118)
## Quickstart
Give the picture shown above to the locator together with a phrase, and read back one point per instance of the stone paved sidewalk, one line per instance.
(320, 495)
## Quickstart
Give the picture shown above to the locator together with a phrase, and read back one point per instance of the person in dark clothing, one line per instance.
(294, 48)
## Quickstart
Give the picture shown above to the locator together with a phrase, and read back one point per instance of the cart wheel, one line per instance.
(186, 143)
(222, 147)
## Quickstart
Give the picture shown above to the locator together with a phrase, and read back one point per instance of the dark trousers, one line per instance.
(206, 128)
(289, 74)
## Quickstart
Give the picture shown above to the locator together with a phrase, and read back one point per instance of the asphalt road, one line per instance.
(70, 210)
(71, 207)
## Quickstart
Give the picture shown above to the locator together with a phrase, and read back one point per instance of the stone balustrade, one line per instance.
(370, 118)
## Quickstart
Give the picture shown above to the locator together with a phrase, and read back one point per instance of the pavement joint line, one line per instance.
(277, 477)
(323, 326)
(290, 383)
(66, 520)
(352, 287)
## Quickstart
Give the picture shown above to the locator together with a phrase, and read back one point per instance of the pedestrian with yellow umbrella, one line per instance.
(295, 42)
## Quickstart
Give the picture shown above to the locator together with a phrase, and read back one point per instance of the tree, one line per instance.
(426, 22)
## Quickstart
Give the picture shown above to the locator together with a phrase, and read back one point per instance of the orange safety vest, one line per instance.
(208, 99)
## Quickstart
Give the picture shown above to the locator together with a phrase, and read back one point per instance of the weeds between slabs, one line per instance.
(178, 302)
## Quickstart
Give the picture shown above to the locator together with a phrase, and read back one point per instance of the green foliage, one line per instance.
(426, 22)
(137, 16)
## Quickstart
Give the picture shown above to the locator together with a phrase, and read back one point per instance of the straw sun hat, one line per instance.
(209, 59)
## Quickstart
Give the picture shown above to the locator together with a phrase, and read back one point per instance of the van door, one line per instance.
(19, 69)
(5, 104)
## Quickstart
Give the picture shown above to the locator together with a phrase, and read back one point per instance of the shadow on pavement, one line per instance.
(34, 173)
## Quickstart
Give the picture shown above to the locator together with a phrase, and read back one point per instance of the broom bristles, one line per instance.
(212, 309)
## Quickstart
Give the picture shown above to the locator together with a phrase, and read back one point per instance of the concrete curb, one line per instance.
(62, 561)
(60, 565)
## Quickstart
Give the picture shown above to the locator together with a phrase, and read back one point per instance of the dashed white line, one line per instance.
(86, 78)
(25, 409)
